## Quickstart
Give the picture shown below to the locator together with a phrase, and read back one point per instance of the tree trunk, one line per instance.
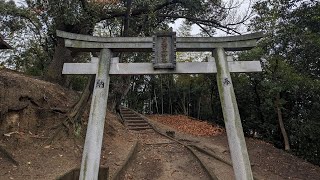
(183, 103)
(170, 105)
(189, 101)
(170, 85)
(199, 106)
(124, 82)
(60, 56)
(282, 128)
(118, 90)
(79, 108)
(74, 115)
(155, 99)
(161, 91)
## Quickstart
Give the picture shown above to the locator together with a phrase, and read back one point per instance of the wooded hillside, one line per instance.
(281, 105)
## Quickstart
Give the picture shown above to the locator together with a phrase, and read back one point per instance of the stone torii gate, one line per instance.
(164, 46)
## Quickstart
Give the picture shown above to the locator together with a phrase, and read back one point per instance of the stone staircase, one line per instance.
(133, 121)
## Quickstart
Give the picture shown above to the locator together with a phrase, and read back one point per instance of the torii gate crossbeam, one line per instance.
(105, 67)
(135, 44)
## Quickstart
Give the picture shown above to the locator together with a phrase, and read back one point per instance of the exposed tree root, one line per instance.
(159, 144)
(75, 173)
(73, 117)
(51, 139)
(210, 154)
(64, 126)
(189, 147)
(120, 118)
(211, 174)
(8, 155)
(72, 120)
(124, 165)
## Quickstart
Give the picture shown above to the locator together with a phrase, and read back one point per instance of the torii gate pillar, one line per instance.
(93, 143)
(231, 116)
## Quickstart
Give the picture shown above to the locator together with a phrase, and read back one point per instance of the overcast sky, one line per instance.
(244, 6)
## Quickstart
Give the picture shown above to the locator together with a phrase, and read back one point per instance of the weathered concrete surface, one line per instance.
(164, 51)
(93, 143)
(147, 68)
(91, 43)
(82, 37)
(141, 46)
(237, 144)
(80, 68)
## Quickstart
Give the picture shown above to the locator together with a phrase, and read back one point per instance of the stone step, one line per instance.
(137, 124)
(139, 128)
(135, 121)
(129, 115)
(127, 112)
(132, 118)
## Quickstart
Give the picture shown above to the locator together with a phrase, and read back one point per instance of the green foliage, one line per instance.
(290, 54)
(15, 18)
(24, 28)
(78, 82)
(35, 22)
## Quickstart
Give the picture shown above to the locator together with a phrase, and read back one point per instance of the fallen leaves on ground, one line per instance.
(188, 125)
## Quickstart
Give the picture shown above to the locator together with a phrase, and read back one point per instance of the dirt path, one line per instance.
(267, 161)
(160, 158)
(157, 157)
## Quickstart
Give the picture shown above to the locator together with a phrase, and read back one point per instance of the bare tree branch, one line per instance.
(204, 29)
(138, 11)
(146, 9)
(214, 23)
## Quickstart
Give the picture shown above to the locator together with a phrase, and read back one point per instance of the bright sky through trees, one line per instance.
(242, 7)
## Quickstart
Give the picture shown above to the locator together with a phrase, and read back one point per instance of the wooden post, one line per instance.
(237, 144)
(93, 143)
